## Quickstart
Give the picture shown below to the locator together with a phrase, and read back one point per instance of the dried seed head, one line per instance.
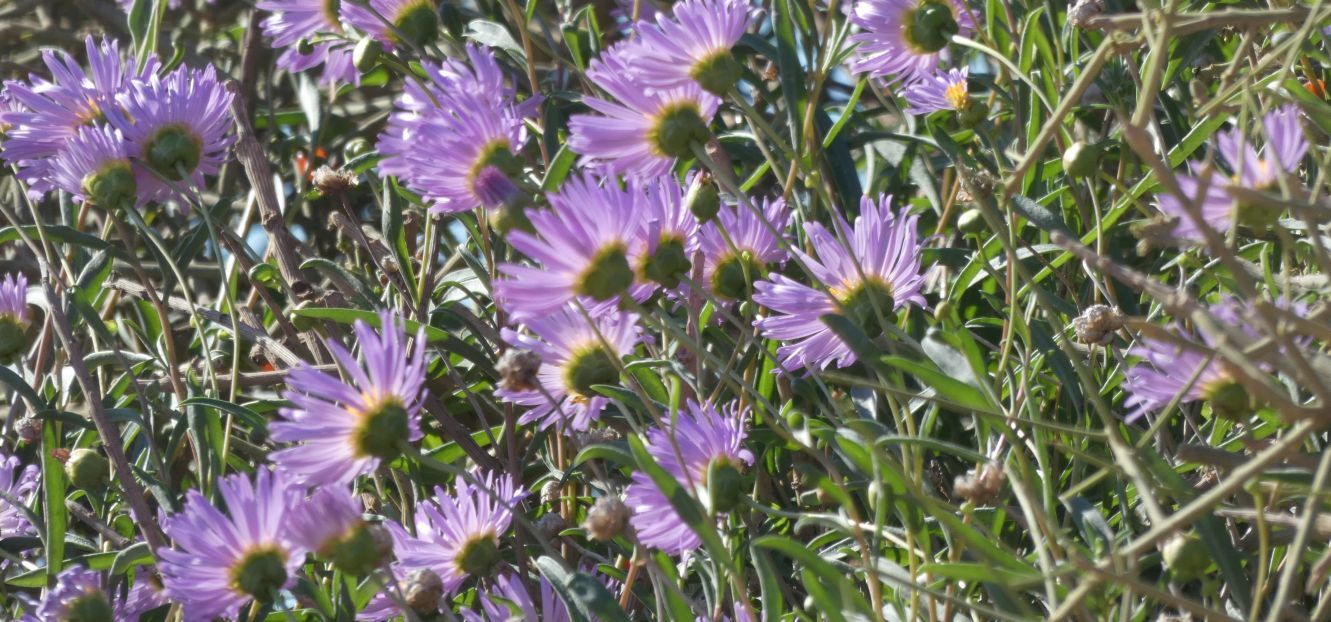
(423, 591)
(518, 368)
(29, 429)
(979, 487)
(596, 436)
(549, 525)
(1083, 11)
(1097, 324)
(606, 519)
(551, 492)
(331, 181)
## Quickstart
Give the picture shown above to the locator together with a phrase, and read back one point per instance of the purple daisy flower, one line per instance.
(13, 323)
(669, 235)
(457, 535)
(224, 561)
(346, 428)
(333, 525)
(583, 248)
(51, 112)
(694, 46)
(18, 484)
(645, 129)
(573, 360)
(508, 599)
(939, 91)
(905, 38)
(78, 595)
(146, 594)
(96, 168)
(877, 273)
(730, 269)
(416, 20)
(1165, 370)
(1214, 205)
(456, 144)
(703, 443)
(179, 126)
(294, 21)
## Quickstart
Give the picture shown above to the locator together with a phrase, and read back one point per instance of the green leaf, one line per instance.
(53, 495)
(135, 554)
(432, 335)
(254, 420)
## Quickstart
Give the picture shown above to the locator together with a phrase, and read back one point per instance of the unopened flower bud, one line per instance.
(971, 221)
(606, 519)
(1081, 159)
(703, 199)
(366, 55)
(518, 370)
(725, 486)
(423, 590)
(304, 47)
(87, 469)
(1186, 556)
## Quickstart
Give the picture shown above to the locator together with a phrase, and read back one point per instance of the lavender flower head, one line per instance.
(96, 168)
(398, 22)
(940, 90)
(754, 246)
(508, 599)
(669, 235)
(179, 126)
(1166, 370)
(877, 273)
(146, 594)
(346, 428)
(297, 24)
(224, 561)
(78, 595)
(704, 451)
(905, 38)
(13, 321)
(643, 130)
(457, 535)
(694, 45)
(456, 143)
(18, 484)
(52, 111)
(334, 527)
(584, 244)
(573, 360)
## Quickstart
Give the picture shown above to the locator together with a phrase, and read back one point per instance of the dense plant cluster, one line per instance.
(715, 310)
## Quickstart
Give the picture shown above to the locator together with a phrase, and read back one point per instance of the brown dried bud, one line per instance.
(980, 487)
(606, 519)
(330, 181)
(60, 454)
(551, 492)
(423, 591)
(517, 370)
(1097, 324)
(549, 525)
(1081, 12)
(371, 502)
(29, 429)
(596, 436)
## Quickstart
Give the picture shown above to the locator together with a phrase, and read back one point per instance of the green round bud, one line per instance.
(677, 129)
(725, 486)
(112, 187)
(382, 430)
(418, 23)
(356, 148)
(703, 200)
(13, 337)
(89, 607)
(174, 151)
(304, 47)
(1081, 159)
(1186, 556)
(668, 263)
(590, 368)
(87, 469)
(718, 73)
(609, 274)
(734, 276)
(930, 27)
(479, 557)
(361, 550)
(261, 573)
(971, 221)
(795, 420)
(366, 55)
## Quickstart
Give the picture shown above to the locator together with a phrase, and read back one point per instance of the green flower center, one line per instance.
(678, 126)
(725, 485)
(90, 607)
(718, 73)
(479, 556)
(260, 573)
(608, 274)
(357, 552)
(383, 426)
(174, 151)
(588, 368)
(734, 275)
(111, 187)
(418, 22)
(929, 27)
(668, 263)
(865, 303)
